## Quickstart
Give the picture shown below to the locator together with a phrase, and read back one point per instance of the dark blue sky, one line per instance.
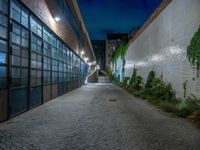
(102, 16)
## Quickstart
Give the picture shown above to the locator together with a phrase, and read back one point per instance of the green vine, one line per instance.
(120, 52)
(193, 50)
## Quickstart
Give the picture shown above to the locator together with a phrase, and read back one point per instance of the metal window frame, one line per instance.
(67, 59)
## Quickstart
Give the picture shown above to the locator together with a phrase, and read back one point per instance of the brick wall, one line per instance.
(161, 46)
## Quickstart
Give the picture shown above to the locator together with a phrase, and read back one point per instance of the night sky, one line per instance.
(110, 16)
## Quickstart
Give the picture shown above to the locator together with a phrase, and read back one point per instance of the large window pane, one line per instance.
(3, 46)
(16, 6)
(33, 64)
(15, 50)
(39, 65)
(39, 58)
(24, 53)
(3, 20)
(24, 77)
(3, 83)
(15, 61)
(24, 42)
(16, 39)
(16, 11)
(16, 29)
(3, 58)
(3, 32)
(47, 77)
(33, 77)
(36, 26)
(25, 33)
(15, 77)
(39, 77)
(33, 56)
(3, 71)
(36, 44)
(16, 15)
(24, 62)
(3, 6)
(33, 47)
(24, 18)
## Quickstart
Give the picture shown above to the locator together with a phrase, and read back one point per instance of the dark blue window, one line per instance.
(3, 72)
(3, 58)
(4, 6)
(3, 46)
(3, 79)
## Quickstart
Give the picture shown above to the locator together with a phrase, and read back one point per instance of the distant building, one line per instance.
(99, 47)
(112, 42)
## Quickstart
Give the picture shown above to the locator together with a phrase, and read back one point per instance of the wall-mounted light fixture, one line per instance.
(57, 19)
(82, 53)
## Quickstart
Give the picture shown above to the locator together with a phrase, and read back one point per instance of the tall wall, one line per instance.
(162, 47)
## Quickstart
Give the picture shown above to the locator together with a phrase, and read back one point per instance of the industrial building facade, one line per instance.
(39, 57)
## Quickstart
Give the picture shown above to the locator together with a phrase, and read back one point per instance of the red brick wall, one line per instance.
(42, 8)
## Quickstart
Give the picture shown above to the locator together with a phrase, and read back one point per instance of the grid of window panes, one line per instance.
(65, 58)
(79, 69)
(76, 67)
(55, 59)
(61, 61)
(47, 57)
(70, 66)
(28, 37)
(73, 67)
(36, 54)
(69, 15)
(20, 45)
(3, 43)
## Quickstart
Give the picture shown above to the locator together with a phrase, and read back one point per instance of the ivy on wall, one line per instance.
(193, 50)
(120, 52)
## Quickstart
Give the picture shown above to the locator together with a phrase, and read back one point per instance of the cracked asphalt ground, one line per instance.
(98, 117)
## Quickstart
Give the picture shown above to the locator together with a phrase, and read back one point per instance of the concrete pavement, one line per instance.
(98, 116)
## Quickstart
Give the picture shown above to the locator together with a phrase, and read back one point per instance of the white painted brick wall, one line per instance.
(162, 47)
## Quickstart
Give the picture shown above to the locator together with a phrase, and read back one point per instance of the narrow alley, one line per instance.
(98, 116)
